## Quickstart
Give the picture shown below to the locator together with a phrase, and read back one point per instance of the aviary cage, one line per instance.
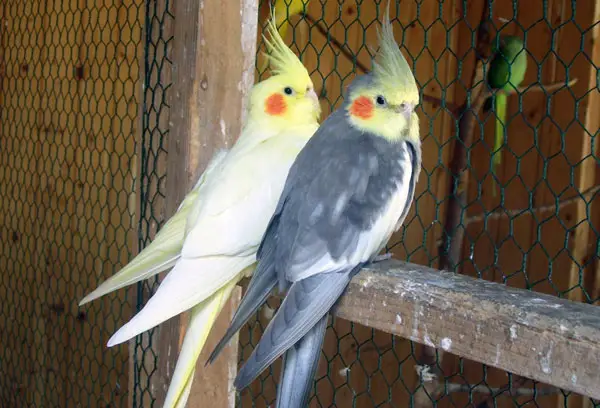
(92, 106)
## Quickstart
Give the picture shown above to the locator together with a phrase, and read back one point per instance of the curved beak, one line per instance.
(406, 110)
(313, 95)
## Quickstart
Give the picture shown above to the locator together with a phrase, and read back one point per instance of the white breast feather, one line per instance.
(376, 238)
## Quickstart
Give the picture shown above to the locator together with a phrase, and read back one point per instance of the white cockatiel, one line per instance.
(212, 240)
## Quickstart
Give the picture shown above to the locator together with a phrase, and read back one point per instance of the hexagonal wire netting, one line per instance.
(545, 181)
(155, 129)
(69, 112)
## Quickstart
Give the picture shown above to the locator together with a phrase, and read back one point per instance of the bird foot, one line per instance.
(382, 257)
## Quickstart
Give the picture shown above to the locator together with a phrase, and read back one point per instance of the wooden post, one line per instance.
(213, 69)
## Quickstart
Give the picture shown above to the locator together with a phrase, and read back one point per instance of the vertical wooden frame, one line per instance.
(213, 69)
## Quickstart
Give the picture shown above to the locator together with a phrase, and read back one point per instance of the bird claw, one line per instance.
(382, 257)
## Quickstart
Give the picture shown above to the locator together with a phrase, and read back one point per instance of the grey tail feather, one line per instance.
(300, 364)
(262, 283)
(306, 303)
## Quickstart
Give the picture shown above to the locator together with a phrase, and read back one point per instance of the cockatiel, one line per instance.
(212, 240)
(282, 12)
(348, 190)
(507, 72)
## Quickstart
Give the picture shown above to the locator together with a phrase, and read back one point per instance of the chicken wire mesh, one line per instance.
(155, 129)
(545, 182)
(69, 113)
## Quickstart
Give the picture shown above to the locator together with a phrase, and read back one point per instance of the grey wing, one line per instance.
(329, 217)
(337, 190)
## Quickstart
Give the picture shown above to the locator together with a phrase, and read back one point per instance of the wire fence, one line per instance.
(68, 117)
(75, 204)
(153, 156)
(545, 182)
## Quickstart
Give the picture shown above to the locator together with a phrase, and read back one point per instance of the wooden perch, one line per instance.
(533, 335)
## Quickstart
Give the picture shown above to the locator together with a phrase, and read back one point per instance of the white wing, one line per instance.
(239, 201)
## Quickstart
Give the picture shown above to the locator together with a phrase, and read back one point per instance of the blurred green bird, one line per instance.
(507, 72)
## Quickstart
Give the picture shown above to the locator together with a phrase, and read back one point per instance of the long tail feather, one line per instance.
(202, 320)
(185, 394)
(261, 285)
(306, 303)
(190, 282)
(163, 252)
(300, 364)
(160, 255)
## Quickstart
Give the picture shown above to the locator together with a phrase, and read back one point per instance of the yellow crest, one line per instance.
(390, 68)
(282, 59)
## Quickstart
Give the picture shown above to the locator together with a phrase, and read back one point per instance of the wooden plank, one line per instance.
(213, 65)
(135, 197)
(68, 136)
(566, 150)
(592, 273)
(551, 340)
(585, 254)
(104, 135)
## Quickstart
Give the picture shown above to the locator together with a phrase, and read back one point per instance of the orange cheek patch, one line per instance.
(362, 107)
(275, 104)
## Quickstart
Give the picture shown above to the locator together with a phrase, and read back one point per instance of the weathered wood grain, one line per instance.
(214, 49)
(552, 340)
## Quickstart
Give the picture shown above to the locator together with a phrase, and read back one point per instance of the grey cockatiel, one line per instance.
(348, 190)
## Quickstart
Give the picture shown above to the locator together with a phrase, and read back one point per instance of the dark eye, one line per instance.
(288, 90)
(380, 100)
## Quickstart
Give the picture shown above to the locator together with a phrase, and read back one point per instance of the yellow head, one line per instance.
(288, 97)
(383, 102)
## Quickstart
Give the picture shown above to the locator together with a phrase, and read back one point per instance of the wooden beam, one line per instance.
(214, 49)
(552, 340)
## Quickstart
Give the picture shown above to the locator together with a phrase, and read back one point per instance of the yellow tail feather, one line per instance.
(201, 322)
